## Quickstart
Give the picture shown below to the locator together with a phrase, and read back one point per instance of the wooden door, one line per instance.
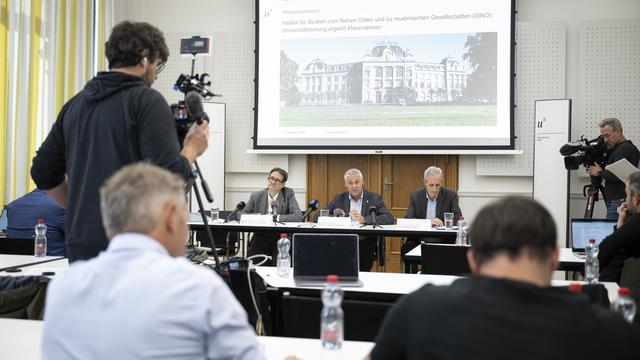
(392, 176)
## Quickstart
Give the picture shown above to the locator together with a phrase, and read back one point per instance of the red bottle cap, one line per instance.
(623, 291)
(332, 278)
(40, 221)
(283, 235)
(592, 241)
(575, 287)
(461, 218)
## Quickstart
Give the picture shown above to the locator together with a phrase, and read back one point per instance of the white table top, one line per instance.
(22, 339)
(396, 283)
(7, 261)
(57, 267)
(566, 255)
(301, 225)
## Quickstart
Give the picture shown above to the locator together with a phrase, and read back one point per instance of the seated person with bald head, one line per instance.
(508, 308)
(431, 203)
(140, 298)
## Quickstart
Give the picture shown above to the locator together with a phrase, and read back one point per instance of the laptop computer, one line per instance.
(317, 255)
(584, 229)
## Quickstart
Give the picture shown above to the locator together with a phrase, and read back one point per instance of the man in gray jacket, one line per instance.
(275, 198)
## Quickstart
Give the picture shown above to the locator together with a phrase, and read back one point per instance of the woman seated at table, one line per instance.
(276, 197)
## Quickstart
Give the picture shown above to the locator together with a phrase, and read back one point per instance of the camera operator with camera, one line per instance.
(117, 119)
(619, 148)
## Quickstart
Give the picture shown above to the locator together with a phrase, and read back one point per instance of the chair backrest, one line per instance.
(445, 259)
(630, 278)
(16, 246)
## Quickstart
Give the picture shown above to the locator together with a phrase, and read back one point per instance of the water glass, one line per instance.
(448, 220)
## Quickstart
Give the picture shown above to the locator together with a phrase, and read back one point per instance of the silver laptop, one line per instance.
(317, 255)
(584, 229)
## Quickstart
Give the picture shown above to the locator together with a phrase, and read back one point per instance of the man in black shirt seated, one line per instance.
(507, 310)
(624, 243)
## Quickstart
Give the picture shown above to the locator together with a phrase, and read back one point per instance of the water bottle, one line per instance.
(331, 317)
(461, 236)
(284, 259)
(40, 244)
(624, 305)
(591, 263)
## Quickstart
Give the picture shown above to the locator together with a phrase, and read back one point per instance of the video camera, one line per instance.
(190, 110)
(584, 152)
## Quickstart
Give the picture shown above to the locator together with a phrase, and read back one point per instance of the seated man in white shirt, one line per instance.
(141, 298)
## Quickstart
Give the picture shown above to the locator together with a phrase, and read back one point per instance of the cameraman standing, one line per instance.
(117, 119)
(619, 148)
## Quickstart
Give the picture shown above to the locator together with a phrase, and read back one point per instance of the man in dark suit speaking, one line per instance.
(431, 203)
(356, 202)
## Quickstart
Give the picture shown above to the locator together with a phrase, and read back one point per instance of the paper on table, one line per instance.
(622, 169)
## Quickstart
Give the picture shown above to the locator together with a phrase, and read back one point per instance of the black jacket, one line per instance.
(117, 119)
(614, 187)
(624, 243)
(341, 201)
(447, 201)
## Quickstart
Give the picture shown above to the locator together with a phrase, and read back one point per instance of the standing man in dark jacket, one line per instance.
(624, 243)
(431, 203)
(117, 119)
(620, 148)
(356, 202)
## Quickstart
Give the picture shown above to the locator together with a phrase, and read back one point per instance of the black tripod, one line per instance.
(194, 185)
(591, 193)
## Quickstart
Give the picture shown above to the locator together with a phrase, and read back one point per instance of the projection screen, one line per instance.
(402, 74)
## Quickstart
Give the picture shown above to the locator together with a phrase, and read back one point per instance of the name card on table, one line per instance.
(256, 219)
(329, 221)
(414, 224)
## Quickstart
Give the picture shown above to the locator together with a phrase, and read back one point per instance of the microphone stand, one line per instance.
(374, 222)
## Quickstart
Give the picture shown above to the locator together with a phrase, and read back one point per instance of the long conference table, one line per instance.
(219, 230)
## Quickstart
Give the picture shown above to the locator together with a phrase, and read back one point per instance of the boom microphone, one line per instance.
(235, 212)
(568, 149)
(194, 106)
(313, 205)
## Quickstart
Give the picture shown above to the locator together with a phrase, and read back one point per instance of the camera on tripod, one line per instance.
(190, 110)
(584, 152)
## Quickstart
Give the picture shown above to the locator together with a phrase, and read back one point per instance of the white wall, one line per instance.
(475, 191)
(210, 16)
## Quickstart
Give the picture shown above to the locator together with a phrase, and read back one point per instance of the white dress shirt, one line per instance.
(134, 301)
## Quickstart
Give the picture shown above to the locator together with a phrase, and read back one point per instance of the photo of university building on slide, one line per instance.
(388, 74)
(389, 85)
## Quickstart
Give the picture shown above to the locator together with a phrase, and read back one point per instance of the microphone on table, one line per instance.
(313, 206)
(235, 212)
(274, 210)
(373, 212)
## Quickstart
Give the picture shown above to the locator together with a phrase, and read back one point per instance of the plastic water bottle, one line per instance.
(624, 305)
(461, 237)
(284, 259)
(332, 317)
(40, 244)
(591, 263)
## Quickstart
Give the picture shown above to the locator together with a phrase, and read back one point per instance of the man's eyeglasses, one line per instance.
(275, 180)
(160, 67)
